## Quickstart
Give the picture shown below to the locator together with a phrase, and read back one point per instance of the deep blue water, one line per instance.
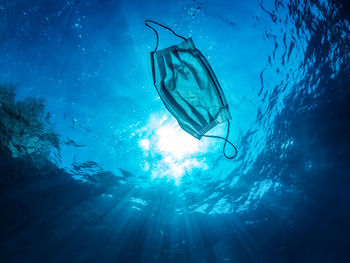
(94, 169)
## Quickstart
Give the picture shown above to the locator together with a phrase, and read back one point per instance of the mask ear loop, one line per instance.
(155, 31)
(226, 141)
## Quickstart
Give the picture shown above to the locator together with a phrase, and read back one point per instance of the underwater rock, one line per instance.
(24, 126)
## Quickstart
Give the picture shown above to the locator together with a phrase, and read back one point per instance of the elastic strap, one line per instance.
(226, 141)
(155, 31)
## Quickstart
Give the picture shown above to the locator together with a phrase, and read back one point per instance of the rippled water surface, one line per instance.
(95, 169)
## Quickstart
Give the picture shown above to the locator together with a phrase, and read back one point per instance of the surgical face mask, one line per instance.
(189, 89)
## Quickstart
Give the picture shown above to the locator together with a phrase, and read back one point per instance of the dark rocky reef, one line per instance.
(24, 126)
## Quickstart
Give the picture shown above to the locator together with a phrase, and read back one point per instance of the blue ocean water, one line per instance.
(94, 168)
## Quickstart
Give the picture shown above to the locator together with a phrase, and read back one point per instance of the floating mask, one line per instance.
(189, 89)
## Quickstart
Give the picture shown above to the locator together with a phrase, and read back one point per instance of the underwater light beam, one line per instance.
(175, 142)
(178, 150)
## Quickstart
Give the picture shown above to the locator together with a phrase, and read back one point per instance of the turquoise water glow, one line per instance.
(138, 178)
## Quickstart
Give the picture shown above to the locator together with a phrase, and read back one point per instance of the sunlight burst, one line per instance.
(178, 150)
(173, 141)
